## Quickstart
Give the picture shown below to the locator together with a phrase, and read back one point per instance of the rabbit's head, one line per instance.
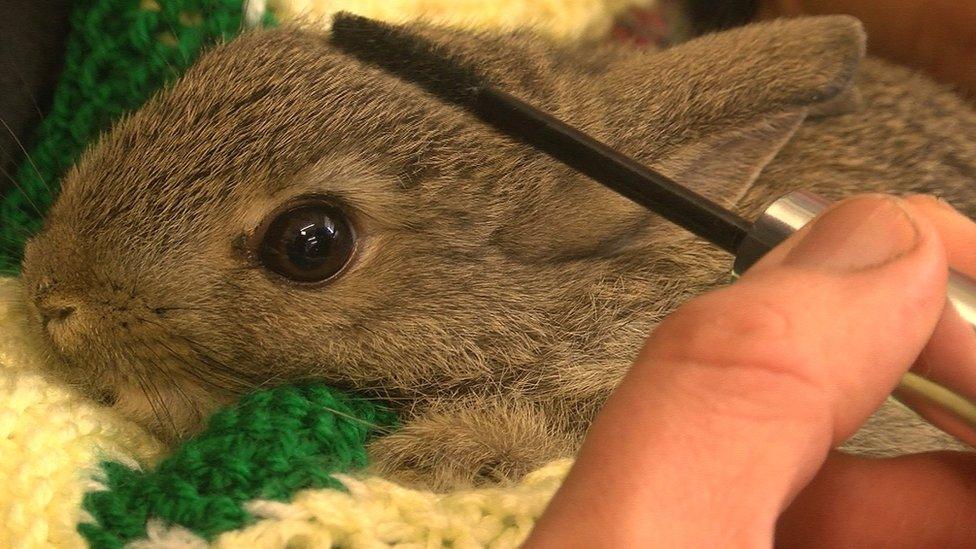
(285, 213)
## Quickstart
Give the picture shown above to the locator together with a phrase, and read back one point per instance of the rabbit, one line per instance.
(284, 213)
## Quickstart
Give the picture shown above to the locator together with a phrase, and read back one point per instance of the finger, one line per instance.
(957, 232)
(949, 359)
(950, 356)
(879, 316)
(737, 397)
(924, 500)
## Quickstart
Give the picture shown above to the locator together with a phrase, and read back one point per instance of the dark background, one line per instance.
(32, 35)
(710, 15)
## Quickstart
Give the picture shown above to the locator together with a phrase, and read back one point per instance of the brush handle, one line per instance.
(952, 412)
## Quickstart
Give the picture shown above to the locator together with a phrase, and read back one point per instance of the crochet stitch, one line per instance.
(372, 513)
(269, 445)
(559, 19)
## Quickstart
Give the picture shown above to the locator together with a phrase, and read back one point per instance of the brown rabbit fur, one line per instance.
(496, 296)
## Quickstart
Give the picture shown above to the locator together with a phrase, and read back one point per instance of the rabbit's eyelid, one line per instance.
(258, 224)
(259, 214)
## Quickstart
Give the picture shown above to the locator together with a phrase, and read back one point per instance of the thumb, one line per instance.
(737, 397)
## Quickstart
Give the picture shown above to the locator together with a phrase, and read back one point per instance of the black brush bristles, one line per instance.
(434, 68)
(407, 56)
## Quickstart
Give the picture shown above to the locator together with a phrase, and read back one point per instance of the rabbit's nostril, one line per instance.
(54, 313)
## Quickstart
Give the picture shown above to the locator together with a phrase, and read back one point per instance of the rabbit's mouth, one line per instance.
(148, 375)
(170, 411)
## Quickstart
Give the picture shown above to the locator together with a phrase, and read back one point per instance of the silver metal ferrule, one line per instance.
(789, 214)
(781, 219)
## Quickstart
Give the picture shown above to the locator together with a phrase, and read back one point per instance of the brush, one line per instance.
(443, 74)
(446, 75)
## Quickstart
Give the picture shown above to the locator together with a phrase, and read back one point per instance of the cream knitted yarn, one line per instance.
(562, 19)
(376, 513)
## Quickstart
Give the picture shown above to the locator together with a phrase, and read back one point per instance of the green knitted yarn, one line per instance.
(268, 446)
(118, 53)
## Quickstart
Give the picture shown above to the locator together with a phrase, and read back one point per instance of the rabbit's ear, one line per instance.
(724, 165)
(738, 75)
(743, 94)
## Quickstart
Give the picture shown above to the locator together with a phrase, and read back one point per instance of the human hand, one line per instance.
(721, 434)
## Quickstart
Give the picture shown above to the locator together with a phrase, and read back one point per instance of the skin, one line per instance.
(935, 36)
(496, 297)
(759, 405)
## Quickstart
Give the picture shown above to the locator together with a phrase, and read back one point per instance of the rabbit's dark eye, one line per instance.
(308, 242)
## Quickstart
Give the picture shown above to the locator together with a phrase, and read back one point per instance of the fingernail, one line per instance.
(857, 234)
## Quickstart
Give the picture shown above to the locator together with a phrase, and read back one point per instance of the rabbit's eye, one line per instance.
(309, 242)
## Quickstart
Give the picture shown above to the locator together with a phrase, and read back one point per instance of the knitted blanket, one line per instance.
(283, 467)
